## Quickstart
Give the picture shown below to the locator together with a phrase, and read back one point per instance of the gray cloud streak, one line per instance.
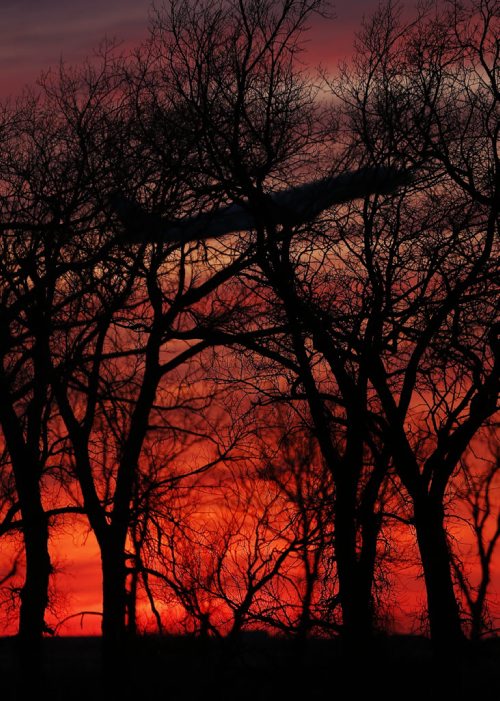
(35, 34)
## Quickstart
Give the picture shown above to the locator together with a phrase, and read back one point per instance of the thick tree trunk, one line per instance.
(114, 618)
(444, 614)
(27, 472)
(354, 602)
(114, 593)
(34, 594)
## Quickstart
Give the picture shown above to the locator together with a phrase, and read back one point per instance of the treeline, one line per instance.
(249, 328)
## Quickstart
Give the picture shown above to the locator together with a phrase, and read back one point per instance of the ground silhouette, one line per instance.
(259, 667)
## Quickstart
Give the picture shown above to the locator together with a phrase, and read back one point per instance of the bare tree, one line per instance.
(426, 93)
(224, 551)
(196, 196)
(132, 311)
(295, 465)
(475, 507)
(256, 115)
(34, 262)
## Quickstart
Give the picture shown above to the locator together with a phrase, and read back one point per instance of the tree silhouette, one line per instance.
(482, 517)
(249, 324)
(424, 93)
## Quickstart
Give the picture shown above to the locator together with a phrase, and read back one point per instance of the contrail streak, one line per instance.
(296, 205)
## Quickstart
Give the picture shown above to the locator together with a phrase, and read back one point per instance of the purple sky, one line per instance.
(34, 34)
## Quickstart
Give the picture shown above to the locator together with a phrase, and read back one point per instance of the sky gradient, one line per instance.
(36, 34)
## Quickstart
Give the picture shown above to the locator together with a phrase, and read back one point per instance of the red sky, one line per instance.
(35, 34)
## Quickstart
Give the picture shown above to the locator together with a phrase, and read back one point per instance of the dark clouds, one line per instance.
(34, 34)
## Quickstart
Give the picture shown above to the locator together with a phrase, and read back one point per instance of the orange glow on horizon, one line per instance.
(79, 597)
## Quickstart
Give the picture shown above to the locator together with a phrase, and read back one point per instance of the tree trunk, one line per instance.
(114, 592)
(356, 610)
(366, 570)
(34, 593)
(444, 614)
(27, 472)
(304, 623)
(114, 617)
(132, 602)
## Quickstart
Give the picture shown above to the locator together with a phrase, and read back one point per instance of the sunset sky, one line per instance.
(35, 34)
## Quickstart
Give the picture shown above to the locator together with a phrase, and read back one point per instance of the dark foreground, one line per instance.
(259, 668)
